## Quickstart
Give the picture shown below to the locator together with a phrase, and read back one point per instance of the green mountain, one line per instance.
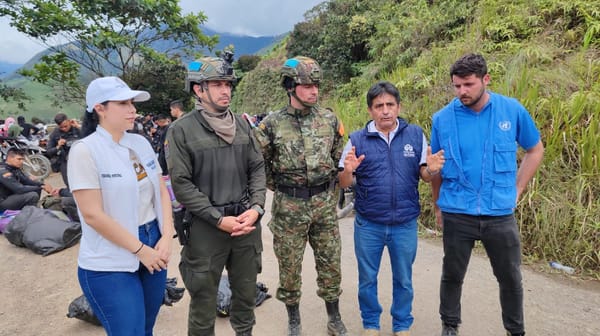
(39, 105)
(545, 53)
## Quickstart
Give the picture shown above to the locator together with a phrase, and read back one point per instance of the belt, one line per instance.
(303, 192)
(234, 209)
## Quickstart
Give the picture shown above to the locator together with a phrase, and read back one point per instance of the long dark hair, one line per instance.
(90, 122)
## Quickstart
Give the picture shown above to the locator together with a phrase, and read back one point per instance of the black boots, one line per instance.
(335, 326)
(294, 327)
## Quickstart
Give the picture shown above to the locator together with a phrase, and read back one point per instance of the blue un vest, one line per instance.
(387, 180)
(498, 192)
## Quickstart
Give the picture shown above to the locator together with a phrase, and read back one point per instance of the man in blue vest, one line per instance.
(385, 160)
(479, 186)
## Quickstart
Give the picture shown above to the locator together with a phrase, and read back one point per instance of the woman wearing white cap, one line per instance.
(125, 214)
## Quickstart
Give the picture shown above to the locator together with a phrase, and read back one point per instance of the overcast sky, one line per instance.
(244, 17)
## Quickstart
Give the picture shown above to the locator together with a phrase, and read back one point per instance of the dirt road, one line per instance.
(35, 292)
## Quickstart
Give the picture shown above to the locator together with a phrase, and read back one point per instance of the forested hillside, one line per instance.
(43, 103)
(545, 53)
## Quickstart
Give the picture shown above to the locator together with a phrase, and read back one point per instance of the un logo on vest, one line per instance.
(505, 125)
(409, 151)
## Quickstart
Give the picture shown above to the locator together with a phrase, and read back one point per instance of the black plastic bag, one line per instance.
(42, 231)
(224, 296)
(80, 307)
(172, 292)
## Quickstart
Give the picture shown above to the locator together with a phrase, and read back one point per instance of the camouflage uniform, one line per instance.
(301, 148)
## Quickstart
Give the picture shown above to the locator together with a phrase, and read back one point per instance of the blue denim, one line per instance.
(401, 240)
(126, 303)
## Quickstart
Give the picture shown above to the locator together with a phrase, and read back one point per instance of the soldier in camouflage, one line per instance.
(217, 172)
(301, 145)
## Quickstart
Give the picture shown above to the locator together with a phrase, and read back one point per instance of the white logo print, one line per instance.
(505, 125)
(409, 151)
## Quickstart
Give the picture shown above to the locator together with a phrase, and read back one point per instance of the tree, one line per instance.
(247, 63)
(335, 33)
(100, 38)
(8, 93)
(164, 79)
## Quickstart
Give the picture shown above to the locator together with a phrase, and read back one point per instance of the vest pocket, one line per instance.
(505, 157)
(450, 168)
(504, 195)
(452, 196)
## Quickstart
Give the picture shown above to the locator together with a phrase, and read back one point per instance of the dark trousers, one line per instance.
(63, 172)
(70, 207)
(19, 201)
(203, 259)
(500, 238)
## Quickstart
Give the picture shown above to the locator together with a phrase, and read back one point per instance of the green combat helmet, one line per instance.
(302, 70)
(210, 68)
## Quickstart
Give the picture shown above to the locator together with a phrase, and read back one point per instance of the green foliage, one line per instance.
(106, 37)
(164, 79)
(259, 91)
(247, 63)
(405, 29)
(57, 68)
(11, 94)
(336, 36)
(545, 53)
(38, 103)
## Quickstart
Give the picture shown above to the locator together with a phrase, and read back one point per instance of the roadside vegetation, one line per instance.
(545, 53)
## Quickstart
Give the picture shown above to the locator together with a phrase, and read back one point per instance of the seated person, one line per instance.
(16, 189)
(67, 203)
(27, 129)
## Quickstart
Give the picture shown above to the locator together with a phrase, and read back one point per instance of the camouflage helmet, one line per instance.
(209, 68)
(302, 70)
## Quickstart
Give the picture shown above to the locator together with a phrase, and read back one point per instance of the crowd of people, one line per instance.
(221, 164)
(17, 189)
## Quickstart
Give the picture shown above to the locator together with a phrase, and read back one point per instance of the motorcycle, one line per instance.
(345, 202)
(36, 164)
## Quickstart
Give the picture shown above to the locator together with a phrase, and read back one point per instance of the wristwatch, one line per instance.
(258, 209)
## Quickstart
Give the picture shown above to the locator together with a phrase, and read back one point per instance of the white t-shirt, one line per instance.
(86, 174)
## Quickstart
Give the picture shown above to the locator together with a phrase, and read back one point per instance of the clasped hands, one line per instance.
(240, 225)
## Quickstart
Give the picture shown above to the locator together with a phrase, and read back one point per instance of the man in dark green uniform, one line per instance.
(217, 172)
(302, 144)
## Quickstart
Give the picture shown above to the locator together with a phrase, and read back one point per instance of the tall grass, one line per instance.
(559, 214)
(546, 54)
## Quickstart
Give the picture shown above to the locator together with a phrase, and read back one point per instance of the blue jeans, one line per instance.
(401, 240)
(126, 303)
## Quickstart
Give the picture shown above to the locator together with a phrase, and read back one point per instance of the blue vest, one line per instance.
(387, 180)
(498, 193)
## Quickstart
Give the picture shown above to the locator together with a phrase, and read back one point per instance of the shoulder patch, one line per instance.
(7, 174)
(166, 147)
(341, 130)
(262, 126)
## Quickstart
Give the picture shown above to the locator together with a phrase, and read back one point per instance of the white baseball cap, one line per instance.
(106, 89)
